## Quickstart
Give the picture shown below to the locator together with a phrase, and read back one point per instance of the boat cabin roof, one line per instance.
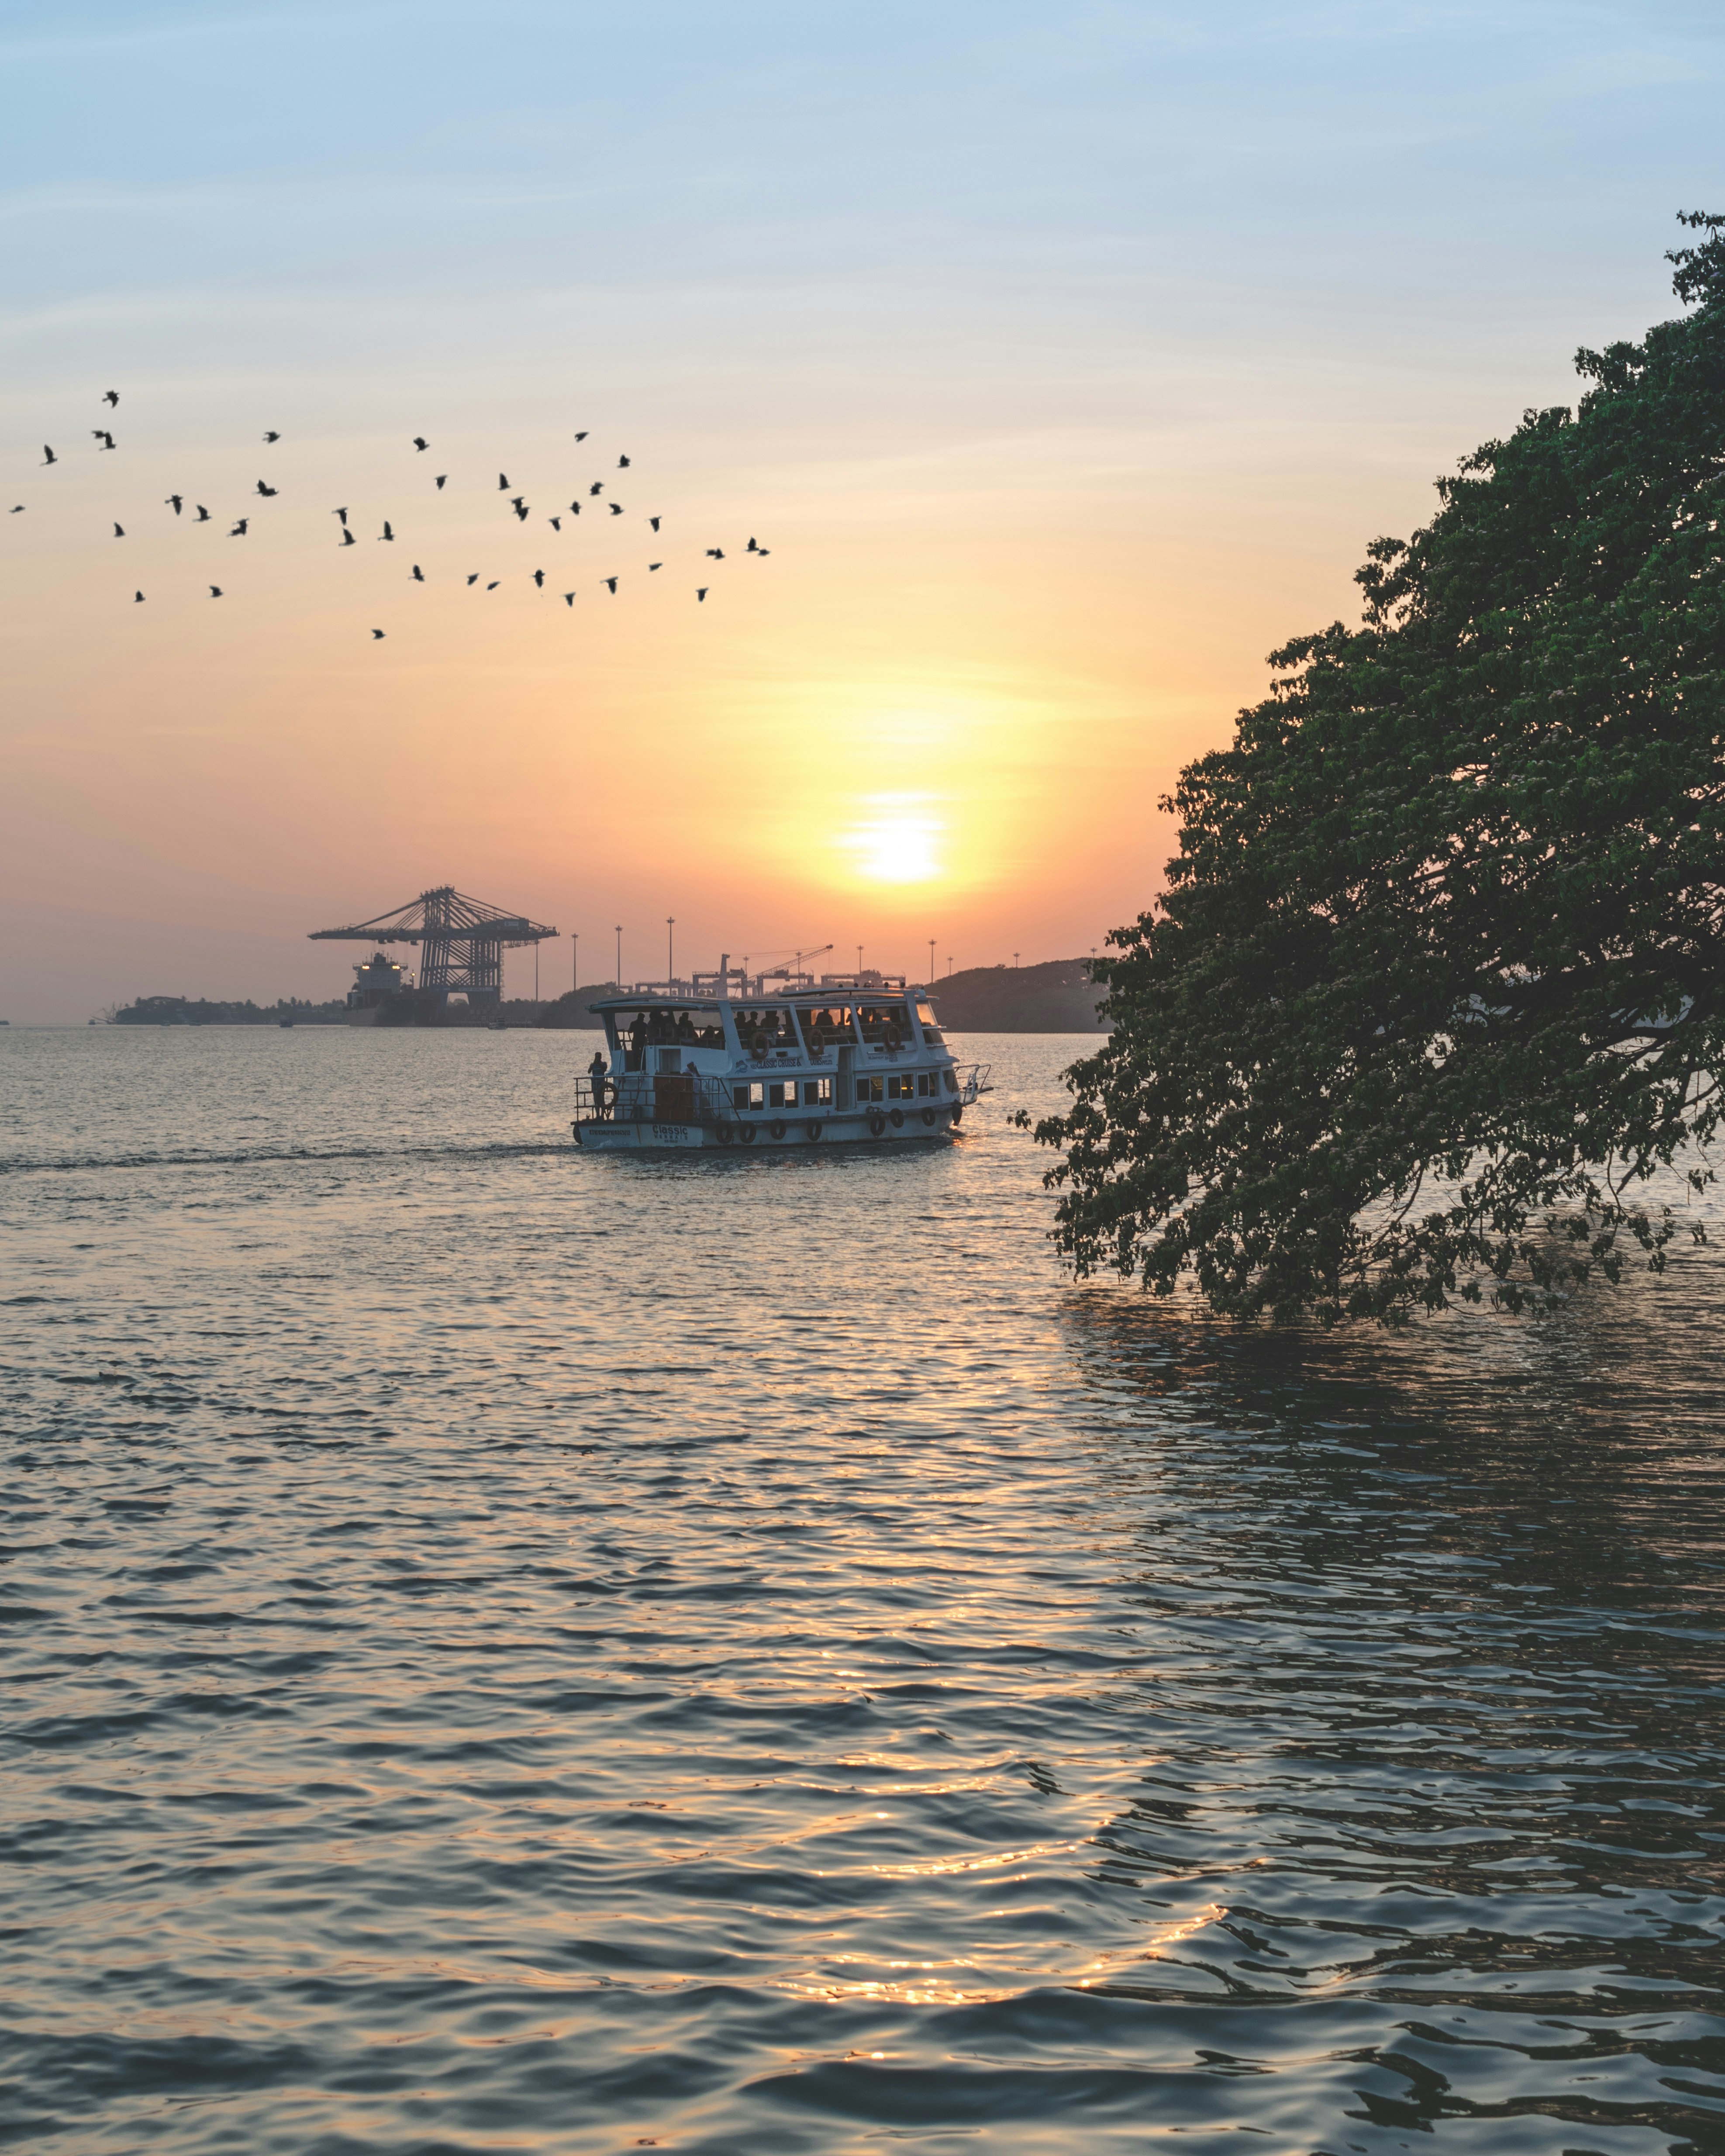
(707, 1000)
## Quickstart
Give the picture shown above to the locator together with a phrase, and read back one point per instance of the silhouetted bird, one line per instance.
(174, 501)
(137, 599)
(653, 521)
(623, 464)
(342, 514)
(473, 579)
(386, 533)
(716, 553)
(703, 591)
(378, 634)
(17, 510)
(763, 552)
(418, 574)
(655, 565)
(119, 532)
(581, 436)
(574, 509)
(555, 523)
(420, 442)
(521, 511)
(110, 397)
(752, 548)
(215, 590)
(48, 455)
(493, 586)
(347, 538)
(267, 492)
(610, 584)
(503, 482)
(569, 597)
(597, 487)
(272, 438)
(539, 578)
(616, 508)
(203, 515)
(442, 476)
(238, 531)
(102, 435)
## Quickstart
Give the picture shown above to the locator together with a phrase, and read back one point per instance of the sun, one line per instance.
(895, 846)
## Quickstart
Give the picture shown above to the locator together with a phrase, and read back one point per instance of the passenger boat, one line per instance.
(726, 1060)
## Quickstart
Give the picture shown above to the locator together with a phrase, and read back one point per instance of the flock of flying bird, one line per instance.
(104, 438)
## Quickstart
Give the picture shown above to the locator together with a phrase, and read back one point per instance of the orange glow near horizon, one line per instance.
(952, 738)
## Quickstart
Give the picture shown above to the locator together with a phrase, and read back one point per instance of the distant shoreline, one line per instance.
(1056, 997)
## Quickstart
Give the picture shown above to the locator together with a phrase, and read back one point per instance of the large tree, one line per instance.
(1438, 980)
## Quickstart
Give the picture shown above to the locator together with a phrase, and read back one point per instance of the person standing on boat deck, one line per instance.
(638, 1032)
(596, 1071)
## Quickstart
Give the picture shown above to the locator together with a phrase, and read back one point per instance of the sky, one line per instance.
(1064, 360)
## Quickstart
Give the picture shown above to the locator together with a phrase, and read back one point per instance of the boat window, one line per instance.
(870, 1088)
(930, 1025)
(828, 1025)
(748, 1096)
(783, 1095)
(764, 1027)
(950, 1078)
(671, 1025)
(817, 1092)
(878, 1021)
(901, 1088)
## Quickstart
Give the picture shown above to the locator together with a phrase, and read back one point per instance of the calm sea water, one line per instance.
(515, 1650)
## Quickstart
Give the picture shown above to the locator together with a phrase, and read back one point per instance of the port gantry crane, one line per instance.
(461, 941)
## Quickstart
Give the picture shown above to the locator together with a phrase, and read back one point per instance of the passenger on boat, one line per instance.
(638, 1032)
(596, 1070)
(686, 1030)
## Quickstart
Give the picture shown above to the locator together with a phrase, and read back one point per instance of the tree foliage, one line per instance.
(1438, 980)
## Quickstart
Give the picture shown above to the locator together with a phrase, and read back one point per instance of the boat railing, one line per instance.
(973, 1079)
(660, 1096)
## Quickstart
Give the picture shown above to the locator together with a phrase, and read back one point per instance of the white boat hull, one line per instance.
(645, 1136)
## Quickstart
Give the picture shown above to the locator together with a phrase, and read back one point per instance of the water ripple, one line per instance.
(507, 1649)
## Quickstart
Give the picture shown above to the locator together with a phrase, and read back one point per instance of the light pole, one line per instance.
(859, 965)
(931, 961)
(949, 965)
(575, 939)
(670, 971)
(620, 954)
(1015, 961)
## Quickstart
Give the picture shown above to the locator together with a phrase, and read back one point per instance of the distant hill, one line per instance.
(1056, 997)
(570, 1011)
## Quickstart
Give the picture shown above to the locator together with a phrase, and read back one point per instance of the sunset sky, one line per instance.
(1063, 358)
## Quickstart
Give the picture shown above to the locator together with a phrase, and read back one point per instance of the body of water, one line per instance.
(509, 1649)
